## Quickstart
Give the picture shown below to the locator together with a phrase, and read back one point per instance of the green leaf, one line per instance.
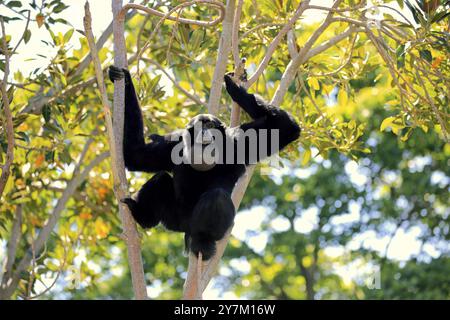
(14, 4)
(196, 39)
(27, 35)
(68, 35)
(50, 156)
(153, 83)
(64, 156)
(46, 112)
(60, 7)
(440, 16)
(400, 53)
(426, 54)
(400, 4)
(23, 136)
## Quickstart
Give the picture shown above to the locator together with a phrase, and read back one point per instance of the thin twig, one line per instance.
(276, 41)
(58, 274)
(335, 10)
(347, 61)
(433, 106)
(215, 4)
(167, 16)
(23, 34)
(175, 83)
(261, 26)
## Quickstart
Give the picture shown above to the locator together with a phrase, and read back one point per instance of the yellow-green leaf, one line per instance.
(313, 83)
(342, 97)
(386, 123)
(306, 157)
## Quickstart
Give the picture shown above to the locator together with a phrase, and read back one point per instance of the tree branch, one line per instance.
(239, 64)
(294, 64)
(115, 133)
(292, 44)
(13, 243)
(8, 115)
(193, 284)
(222, 58)
(235, 32)
(208, 268)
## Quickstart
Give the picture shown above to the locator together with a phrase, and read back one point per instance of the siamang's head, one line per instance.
(205, 135)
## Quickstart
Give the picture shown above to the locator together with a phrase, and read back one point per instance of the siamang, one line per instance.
(192, 196)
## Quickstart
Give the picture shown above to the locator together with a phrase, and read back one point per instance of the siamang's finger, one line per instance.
(230, 74)
(156, 137)
(232, 88)
(115, 73)
(131, 203)
(229, 81)
(243, 77)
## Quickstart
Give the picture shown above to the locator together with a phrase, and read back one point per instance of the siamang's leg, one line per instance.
(155, 202)
(212, 216)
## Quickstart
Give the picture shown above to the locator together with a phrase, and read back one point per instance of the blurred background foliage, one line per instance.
(359, 209)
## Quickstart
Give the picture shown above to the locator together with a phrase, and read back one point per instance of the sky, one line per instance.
(404, 244)
(102, 16)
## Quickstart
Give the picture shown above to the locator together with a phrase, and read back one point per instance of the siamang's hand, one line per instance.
(229, 79)
(156, 137)
(117, 73)
(243, 76)
(231, 86)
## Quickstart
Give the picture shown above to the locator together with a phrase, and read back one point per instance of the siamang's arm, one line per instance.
(138, 155)
(264, 116)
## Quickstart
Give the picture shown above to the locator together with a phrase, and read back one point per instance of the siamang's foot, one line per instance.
(206, 247)
(131, 203)
(117, 73)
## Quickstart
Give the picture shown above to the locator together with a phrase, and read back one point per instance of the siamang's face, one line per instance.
(205, 132)
(204, 128)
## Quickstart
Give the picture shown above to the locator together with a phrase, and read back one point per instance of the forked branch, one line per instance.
(115, 143)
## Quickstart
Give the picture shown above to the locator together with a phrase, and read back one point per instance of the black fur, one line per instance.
(197, 203)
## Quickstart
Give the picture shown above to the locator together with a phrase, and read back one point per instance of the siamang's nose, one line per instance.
(204, 136)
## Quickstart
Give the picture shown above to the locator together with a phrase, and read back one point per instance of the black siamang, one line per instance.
(195, 198)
